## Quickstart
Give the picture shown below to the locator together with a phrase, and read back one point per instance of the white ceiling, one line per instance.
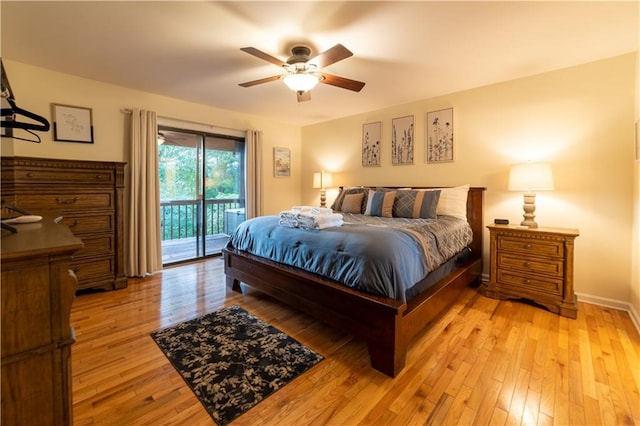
(404, 51)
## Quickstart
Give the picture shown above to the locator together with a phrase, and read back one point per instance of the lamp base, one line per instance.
(529, 207)
(323, 198)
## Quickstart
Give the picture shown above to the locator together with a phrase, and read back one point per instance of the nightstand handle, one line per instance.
(527, 246)
(526, 281)
(526, 264)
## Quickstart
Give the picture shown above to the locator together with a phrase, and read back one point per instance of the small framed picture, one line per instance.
(72, 124)
(439, 136)
(281, 162)
(371, 144)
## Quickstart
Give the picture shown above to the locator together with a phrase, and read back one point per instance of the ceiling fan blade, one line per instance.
(344, 83)
(304, 96)
(265, 56)
(331, 56)
(262, 80)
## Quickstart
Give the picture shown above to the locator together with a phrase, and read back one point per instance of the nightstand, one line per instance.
(534, 264)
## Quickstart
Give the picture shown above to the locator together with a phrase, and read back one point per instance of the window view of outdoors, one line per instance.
(201, 193)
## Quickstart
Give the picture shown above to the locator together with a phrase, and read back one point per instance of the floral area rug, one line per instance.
(233, 360)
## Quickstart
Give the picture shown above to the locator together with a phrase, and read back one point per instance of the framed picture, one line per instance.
(281, 162)
(371, 144)
(439, 136)
(402, 140)
(72, 124)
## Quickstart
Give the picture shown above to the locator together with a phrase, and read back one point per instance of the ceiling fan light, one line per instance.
(301, 82)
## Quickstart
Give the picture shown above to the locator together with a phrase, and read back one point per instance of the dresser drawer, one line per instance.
(89, 224)
(553, 267)
(531, 246)
(66, 201)
(88, 270)
(96, 245)
(25, 174)
(524, 283)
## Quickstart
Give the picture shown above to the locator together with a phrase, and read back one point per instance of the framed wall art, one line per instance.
(72, 124)
(371, 144)
(281, 162)
(402, 140)
(439, 136)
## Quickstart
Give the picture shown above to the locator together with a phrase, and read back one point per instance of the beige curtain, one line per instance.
(144, 242)
(253, 158)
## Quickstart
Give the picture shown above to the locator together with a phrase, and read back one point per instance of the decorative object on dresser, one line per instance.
(529, 177)
(534, 264)
(89, 195)
(37, 291)
(322, 180)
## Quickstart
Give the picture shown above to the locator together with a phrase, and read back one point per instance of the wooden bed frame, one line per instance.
(387, 325)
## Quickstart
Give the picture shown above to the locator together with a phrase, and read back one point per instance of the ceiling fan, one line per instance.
(303, 72)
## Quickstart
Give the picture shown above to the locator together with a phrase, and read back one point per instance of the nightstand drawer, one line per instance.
(531, 246)
(524, 283)
(531, 264)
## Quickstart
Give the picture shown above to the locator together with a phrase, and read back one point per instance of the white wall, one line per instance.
(580, 119)
(36, 88)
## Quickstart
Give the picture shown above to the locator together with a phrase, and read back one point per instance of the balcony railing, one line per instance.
(180, 218)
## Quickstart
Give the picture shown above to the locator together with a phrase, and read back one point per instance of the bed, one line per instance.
(386, 323)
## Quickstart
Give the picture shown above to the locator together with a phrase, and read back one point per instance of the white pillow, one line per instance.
(453, 201)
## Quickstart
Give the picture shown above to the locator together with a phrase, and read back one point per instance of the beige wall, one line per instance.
(36, 88)
(580, 119)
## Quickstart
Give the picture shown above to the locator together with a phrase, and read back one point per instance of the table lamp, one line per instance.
(530, 177)
(322, 180)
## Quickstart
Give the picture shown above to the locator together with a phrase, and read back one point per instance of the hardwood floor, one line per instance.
(484, 362)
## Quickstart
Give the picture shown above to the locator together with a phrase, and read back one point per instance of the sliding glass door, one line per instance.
(201, 192)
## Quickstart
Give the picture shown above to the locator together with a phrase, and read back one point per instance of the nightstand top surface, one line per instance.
(541, 230)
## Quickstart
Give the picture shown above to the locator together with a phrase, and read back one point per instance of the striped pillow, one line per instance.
(414, 204)
(380, 203)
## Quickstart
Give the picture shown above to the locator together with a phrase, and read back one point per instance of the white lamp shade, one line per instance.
(322, 180)
(301, 82)
(530, 176)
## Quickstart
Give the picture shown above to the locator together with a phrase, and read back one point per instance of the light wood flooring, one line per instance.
(484, 362)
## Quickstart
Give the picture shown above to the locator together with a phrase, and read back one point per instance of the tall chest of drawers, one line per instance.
(534, 264)
(89, 195)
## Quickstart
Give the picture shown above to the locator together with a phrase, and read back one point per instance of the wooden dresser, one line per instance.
(89, 195)
(37, 289)
(534, 264)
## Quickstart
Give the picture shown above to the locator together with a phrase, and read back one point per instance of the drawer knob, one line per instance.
(526, 264)
(527, 281)
(29, 174)
(99, 177)
(527, 246)
(66, 202)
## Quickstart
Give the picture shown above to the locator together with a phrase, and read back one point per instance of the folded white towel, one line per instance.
(319, 221)
(288, 222)
(311, 210)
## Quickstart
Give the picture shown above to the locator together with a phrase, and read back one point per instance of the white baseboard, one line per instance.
(614, 304)
(601, 301)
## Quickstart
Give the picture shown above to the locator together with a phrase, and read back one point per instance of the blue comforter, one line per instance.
(382, 256)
